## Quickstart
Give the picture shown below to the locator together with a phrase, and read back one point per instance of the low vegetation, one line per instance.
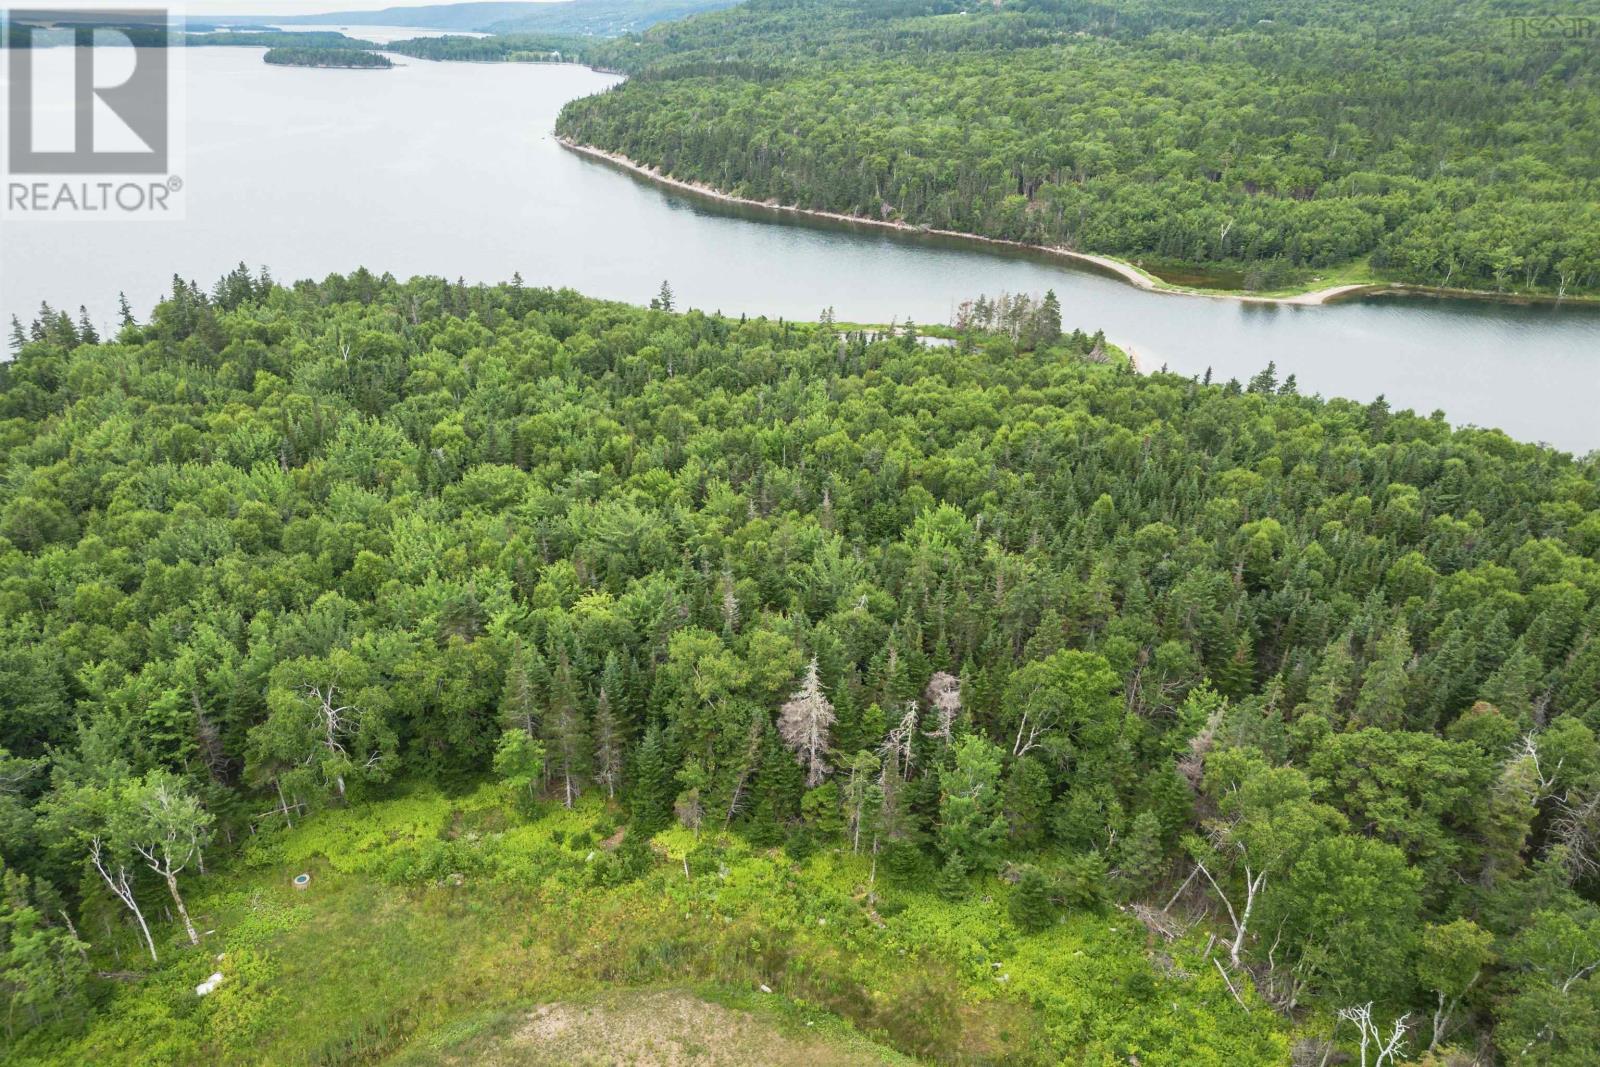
(442, 930)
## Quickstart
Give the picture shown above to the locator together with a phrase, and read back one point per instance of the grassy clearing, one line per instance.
(435, 928)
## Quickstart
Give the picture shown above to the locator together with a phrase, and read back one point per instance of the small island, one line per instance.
(341, 58)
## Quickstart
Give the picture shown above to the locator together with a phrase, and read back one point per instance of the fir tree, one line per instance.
(1031, 906)
(1140, 858)
(566, 734)
(522, 699)
(1382, 700)
(952, 881)
(607, 744)
(651, 798)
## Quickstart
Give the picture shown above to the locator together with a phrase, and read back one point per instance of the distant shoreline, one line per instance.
(1107, 265)
(327, 58)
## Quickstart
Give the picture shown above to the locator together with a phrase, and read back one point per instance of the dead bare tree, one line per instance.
(896, 747)
(804, 722)
(1387, 1050)
(121, 886)
(337, 722)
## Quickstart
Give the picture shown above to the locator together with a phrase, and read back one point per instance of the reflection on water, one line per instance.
(451, 169)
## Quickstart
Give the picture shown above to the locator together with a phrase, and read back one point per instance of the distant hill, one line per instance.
(594, 18)
(477, 17)
(605, 18)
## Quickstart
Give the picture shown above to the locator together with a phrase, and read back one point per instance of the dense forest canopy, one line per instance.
(1323, 675)
(602, 18)
(1448, 144)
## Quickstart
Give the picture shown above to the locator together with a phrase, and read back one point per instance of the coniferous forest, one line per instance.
(1263, 146)
(1001, 702)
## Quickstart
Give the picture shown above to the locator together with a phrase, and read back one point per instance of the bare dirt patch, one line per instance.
(669, 1028)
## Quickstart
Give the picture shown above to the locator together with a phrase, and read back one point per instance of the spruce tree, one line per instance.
(952, 881)
(1139, 854)
(651, 799)
(567, 735)
(1032, 907)
(607, 745)
(1382, 700)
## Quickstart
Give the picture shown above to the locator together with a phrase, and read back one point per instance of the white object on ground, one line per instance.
(208, 985)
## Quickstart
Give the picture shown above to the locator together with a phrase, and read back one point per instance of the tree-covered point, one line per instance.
(247, 38)
(1446, 144)
(1318, 677)
(347, 58)
(601, 18)
(503, 48)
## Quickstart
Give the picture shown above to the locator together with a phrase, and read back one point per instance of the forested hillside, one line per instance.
(1447, 144)
(1309, 686)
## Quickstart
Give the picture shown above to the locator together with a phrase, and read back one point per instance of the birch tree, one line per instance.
(166, 826)
(112, 865)
(1451, 959)
(566, 734)
(88, 823)
(861, 797)
(1266, 817)
(1070, 700)
(896, 750)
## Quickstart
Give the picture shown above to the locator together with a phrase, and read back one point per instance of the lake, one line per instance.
(452, 169)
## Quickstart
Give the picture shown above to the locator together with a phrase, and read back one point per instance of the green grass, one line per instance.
(438, 929)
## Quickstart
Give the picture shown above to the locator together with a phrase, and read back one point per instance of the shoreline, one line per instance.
(1105, 265)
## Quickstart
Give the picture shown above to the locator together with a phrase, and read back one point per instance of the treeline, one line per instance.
(507, 48)
(602, 18)
(319, 39)
(1323, 675)
(327, 57)
(1443, 144)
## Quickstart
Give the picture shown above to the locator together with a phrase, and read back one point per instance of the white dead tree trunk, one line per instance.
(121, 886)
(1254, 881)
(896, 747)
(804, 722)
(1387, 1050)
(335, 721)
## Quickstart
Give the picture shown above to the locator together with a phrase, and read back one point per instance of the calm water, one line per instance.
(451, 169)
